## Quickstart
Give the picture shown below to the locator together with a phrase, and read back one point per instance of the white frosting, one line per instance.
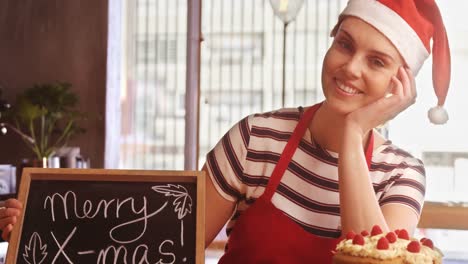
(395, 250)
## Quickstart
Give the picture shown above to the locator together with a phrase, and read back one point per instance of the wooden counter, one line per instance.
(444, 216)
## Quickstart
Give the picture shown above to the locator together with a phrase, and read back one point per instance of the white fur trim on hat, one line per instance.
(394, 27)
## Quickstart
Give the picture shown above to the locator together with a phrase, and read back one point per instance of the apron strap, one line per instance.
(289, 151)
(291, 147)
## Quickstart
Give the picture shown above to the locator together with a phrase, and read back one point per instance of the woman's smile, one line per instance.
(346, 89)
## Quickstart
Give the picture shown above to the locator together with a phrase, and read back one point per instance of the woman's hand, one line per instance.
(359, 206)
(9, 212)
(379, 112)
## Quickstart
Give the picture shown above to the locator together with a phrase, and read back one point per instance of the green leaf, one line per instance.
(27, 112)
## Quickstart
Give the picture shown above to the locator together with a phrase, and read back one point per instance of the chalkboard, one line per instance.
(109, 216)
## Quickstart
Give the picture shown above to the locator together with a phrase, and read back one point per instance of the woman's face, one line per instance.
(358, 67)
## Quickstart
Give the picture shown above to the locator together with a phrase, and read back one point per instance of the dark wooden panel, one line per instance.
(52, 40)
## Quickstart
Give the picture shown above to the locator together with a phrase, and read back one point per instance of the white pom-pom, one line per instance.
(438, 115)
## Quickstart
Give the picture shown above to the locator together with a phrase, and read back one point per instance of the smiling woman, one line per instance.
(359, 66)
(303, 177)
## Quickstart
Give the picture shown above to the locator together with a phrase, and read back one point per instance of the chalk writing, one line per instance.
(103, 205)
(110, 254)
(120, 254)
(134, 227)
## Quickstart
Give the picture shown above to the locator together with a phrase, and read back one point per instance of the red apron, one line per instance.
(264, 234)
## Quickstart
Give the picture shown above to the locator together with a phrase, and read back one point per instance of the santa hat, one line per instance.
(410, 25)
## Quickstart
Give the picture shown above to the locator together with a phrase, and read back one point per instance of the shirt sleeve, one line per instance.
(407, 186)
(225, 162)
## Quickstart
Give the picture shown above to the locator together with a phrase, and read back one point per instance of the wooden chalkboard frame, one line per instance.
(107, 175)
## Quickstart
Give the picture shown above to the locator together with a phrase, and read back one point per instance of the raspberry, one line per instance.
(364, 233)
(382, 244)
(422, 240)
(428, 243)
(391, 237)
(397, 231)
(414, 247)
(358, 240)
(403, 234)
(376, 230)
(350, 235)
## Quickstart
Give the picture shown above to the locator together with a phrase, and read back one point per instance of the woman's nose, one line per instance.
(353, 67)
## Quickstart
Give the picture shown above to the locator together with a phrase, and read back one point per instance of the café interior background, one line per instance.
(127, 61)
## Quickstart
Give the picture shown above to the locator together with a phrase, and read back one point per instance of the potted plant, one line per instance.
(45, 117)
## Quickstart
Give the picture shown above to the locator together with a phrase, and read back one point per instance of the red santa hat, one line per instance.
(410, 25)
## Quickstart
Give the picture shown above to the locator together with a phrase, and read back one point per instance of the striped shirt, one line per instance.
(241, 163)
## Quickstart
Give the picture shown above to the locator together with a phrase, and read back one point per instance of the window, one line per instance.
(153, 92)
(235, 48)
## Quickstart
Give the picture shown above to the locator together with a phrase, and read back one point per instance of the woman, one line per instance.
(277, 175)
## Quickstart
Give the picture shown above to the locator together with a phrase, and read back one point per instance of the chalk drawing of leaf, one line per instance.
(171, 190)
(35, 252)
(183, 205)
(183, 201)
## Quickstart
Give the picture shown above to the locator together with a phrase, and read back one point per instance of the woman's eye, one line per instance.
(377, 62)
(344, 44)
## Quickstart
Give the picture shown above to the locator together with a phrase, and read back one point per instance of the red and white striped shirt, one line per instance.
(241, 163)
